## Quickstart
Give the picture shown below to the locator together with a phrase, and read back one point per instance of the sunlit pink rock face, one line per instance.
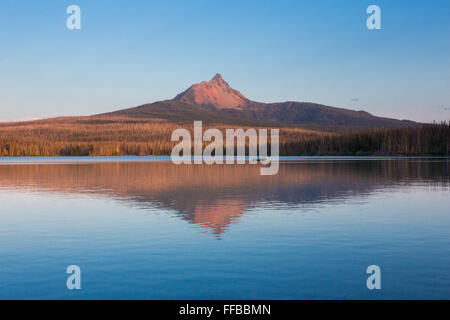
(216, 92)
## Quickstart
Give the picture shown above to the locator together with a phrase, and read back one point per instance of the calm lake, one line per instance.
(143, 228)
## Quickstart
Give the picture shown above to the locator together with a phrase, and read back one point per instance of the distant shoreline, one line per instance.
(116, 159)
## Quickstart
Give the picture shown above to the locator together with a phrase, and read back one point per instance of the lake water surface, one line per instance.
(143, 228)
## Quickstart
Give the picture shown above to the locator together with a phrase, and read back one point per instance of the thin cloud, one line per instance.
(443, 107)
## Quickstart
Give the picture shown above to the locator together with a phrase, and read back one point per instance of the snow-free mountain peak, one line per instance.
(216, 92)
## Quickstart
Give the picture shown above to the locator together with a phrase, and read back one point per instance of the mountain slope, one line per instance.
(182, 112)
(305, 113)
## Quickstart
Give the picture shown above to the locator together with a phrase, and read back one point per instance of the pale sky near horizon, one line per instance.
(128, 53)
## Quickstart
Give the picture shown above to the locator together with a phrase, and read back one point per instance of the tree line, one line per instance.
(116, 136)
(429, 139)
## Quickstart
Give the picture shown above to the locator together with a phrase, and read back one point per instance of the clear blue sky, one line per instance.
(132, 52)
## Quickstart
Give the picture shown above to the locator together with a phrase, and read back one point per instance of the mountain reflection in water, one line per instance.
(214, 197)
